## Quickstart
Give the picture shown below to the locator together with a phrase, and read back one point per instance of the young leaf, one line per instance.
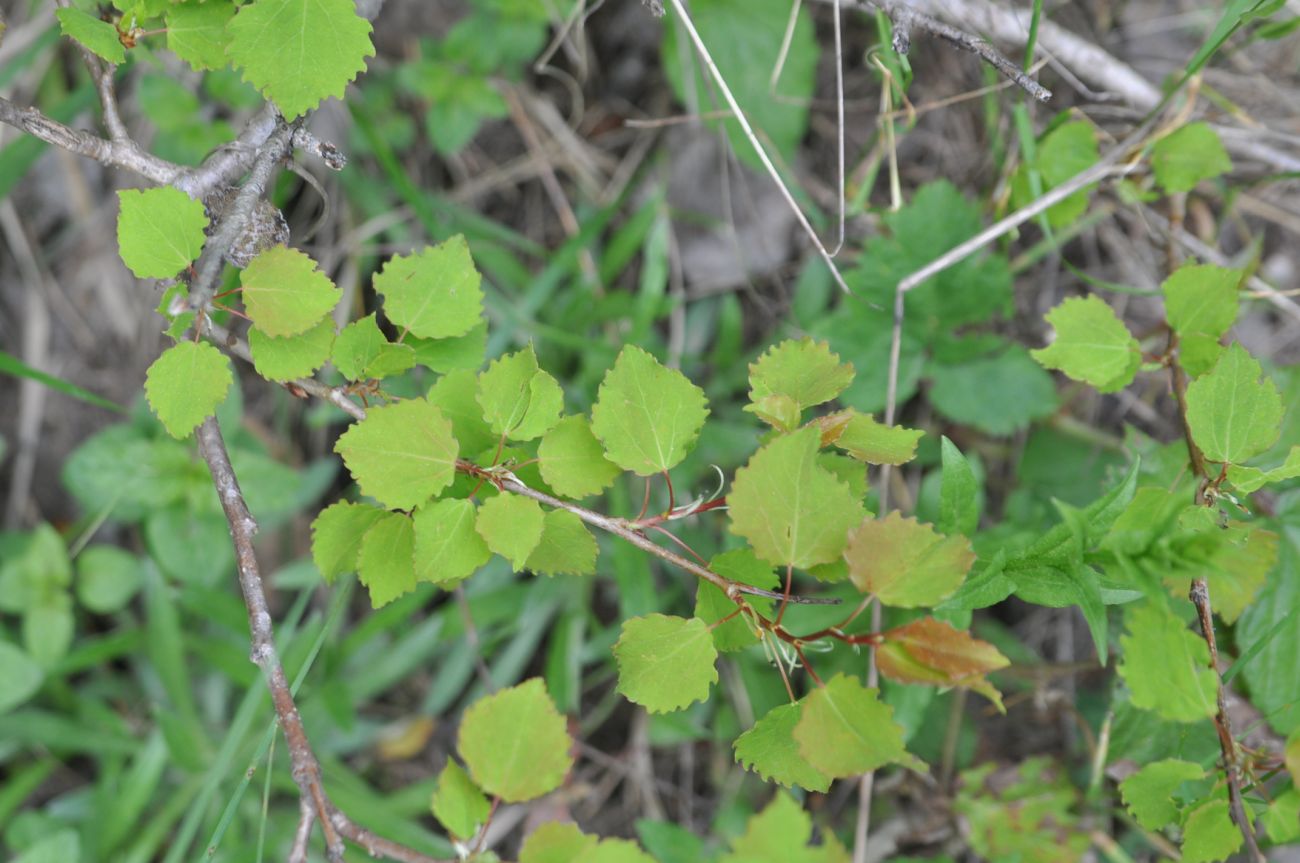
(1187, 156)
(362, 352)
(447, 355)
(712, 605)
(1200, 298)
(665, 663)
(386, 560)
(196, 32)
(845, 729)
(862, 437)
(904, 563)
(930, 651)
(159, 231)
(512, 527)
(804, 371)
(401, 454)
(647, 416)
(959, 504)
(1091, 345)
(284, 294)
(458, 803)
(792, 511)
(515, 743)
(1209, 833)
(555, 842)
(518, 400)
(185, 385)
(289, 357)
(1248, 479)
(434, 293)
(329, 43)
(448, 548)
(455, 395)
(1063, 152)
(769, 749)
(98, 37)
(615, 851)
(566, 546)
(1149, 793)
(1232, 415)
(780, 834)
(572, 461)
(1166, 667)
(336, 536)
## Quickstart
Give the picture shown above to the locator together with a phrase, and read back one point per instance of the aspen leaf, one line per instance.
(904, 563)
(185, 385)
(519, 400)
(361, 352)
(336, 536)
(1091, 345)
(712, 605)
(862, 437)
(435, 292)
(196, 32)
(1187, 156)
(1149, 793)
(845, 729)
(159, 231)
(401, 454)
(566, 546)
(448, 548)
(284, 293)
(512, 527)
(1166, 666)
(805, 372)
(386, 559)
(458, 803)
(555, 842)
(930, 651)
(781, 834)
(1231, 413)
(1209, 834)
(289, 357)
(769, 749)
(515, 743)
(99, 37)
(665, 663)
(572, 461)
(1201, 299)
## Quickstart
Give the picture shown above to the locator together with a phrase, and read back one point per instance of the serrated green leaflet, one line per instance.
(458, 803)
(780, 834)
(647, 416)
(1063, 152)
(959, 495)
(555, 842)
(845, 729)
(712, 605)
(614, 851)
(185, 385)
(447, 355)
(385, 561)
(196, 32)
(805, 371)
(400, 454)
(1201, 299)
(1091, 345)
(448, 549)
(519, 400)
(1250, 479)
(904, 563)
(515, 743)
(1167, 667)
(565, 548)
(1231, 413)
(512, 527)
(876, 443)
(284, 293)
(98, 37)
(769, 749)
(299, 52)
(283, 359)
(159, 231)
(572, 461)
(1209, 833)
(1149, 793)
(434, 293)
(361, 352)
(336, 537)
(665, 663)
(455, 394)
(792, 511)
(1187, 156)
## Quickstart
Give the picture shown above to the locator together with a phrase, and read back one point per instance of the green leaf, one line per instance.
(185, 385)
(458, 803)
(1091, 345)
(876, 443)
(1282, 819)
(1167, 667)
(455, 394)
(519, 400)
(1201, 299)
(846, 729)
(997, 395)
(1269, 638)
(1065, 151)
(780, 834)
(712, 605)
(107, 578)
(48, 627)
(362, 352)
(196, 32)
(1249, 479)
(159, 231)
(792, 511)
(98, 37)
(647, 416)
(665, 663)
(537, 757)
(1187, 156)
(1209, 833)
(555, 842)
(572, 461)
(566, 546)
(290, 357)
(284, 293)
(512, 527)
(336, 536)
(615, 851)
(769, 749)
(20, 677)
(959, 503)
(434, 293)
(400, 454)
(1149, 793)
(299, 52)
(804, 371)
(446, 355)
(904, 563)
(1231, 413)
(386, 559)
(448, 547)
